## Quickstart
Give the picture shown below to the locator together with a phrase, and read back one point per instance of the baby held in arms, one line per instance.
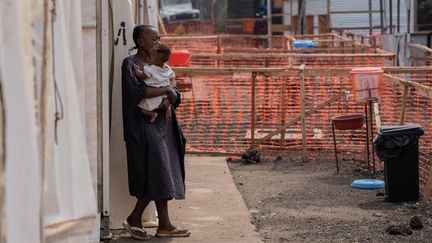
(156, 74)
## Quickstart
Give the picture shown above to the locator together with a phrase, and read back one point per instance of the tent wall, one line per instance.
(48, 193)
(22, 176)
(70, 195)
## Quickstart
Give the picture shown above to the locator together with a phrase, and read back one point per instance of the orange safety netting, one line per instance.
(217, 111)
(251, 51)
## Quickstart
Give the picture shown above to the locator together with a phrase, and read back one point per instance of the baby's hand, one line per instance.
(138, 72)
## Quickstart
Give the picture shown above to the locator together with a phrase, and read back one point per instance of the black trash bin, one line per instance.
(398, 147)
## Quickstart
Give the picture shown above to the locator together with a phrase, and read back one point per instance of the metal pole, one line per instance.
(391, 15)
(370, 17)
(398, 16)
(381, 15)
(102, 44)
(335, 148)
(269, 22)
(371, 130)
(408, 2)
(367, 135)
(329, 14)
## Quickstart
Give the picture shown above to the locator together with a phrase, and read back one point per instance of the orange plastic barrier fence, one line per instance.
(216, 112)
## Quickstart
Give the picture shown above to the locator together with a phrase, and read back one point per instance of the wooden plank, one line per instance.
(161, 24)
(298, 118)
(254, 56)
(214, 153)
(294, 24)
(281, 27)
(323, 23)
(175, 38)
(302, 112)
(342, 71)
(404, 100)
(421, 90)
(280, 14)
(309, 24)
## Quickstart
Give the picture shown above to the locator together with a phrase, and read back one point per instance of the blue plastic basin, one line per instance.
(368, 184)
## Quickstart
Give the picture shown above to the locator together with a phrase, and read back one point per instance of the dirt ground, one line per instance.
(293, 201)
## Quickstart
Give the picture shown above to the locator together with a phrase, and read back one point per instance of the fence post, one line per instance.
(253, 110)
(404, 100)
(218, 50)
(302, 112)
(283, 112)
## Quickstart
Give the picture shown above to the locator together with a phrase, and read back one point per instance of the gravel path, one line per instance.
(292, 201)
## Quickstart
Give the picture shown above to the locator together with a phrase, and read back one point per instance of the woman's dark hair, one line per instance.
(139, 30)
(165, 51)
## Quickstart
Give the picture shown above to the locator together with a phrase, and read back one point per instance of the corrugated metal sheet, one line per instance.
(317, 7)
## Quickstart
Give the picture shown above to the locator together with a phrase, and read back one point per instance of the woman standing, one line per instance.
(155, 151)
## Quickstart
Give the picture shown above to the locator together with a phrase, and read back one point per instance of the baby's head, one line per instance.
(159, 55)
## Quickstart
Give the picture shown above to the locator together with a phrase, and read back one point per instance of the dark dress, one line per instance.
(155, 151)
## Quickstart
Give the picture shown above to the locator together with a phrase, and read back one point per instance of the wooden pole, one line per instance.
(253, 110)
(161, 25)
(377, 116)
(302, 112)
(283, 112)
(404, 100)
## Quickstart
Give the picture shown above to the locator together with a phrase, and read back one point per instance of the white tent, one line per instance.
(22, 169)
(48, 187)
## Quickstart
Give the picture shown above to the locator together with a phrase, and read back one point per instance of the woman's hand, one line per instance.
(172, 94)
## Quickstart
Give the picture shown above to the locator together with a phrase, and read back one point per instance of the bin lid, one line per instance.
(408, 129)
(303, 44)
(368, 184)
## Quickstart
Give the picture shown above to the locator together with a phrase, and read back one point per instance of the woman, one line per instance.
(155, 151)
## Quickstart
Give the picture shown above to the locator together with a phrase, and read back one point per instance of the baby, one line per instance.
(157, 74)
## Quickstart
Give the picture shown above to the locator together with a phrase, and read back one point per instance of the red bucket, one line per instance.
(345, 122)
(179, 58)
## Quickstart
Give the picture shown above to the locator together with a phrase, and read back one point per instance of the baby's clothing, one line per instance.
(157, 77)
